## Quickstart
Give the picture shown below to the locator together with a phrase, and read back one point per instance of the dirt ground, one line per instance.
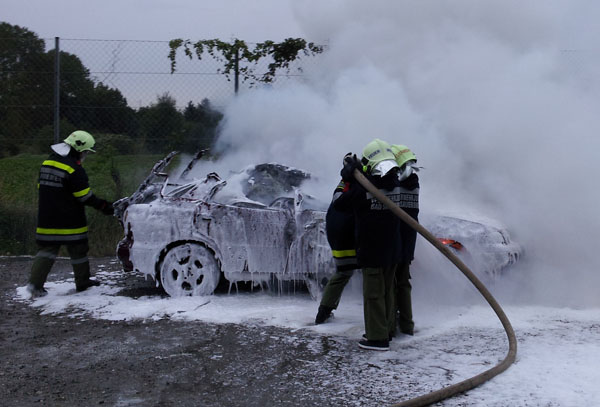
(57, 360)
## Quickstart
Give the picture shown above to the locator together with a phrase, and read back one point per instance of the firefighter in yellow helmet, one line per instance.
(64, 192)
(340, 234)
(380, 248)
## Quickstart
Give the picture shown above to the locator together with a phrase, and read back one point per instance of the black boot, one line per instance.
(323, 314)
(382, 345)
(36, 292)
(86, 284)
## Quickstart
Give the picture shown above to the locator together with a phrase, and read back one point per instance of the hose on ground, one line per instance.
(474, 381)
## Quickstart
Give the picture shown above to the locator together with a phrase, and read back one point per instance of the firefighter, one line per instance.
(63, 194)
(340, 235)
(379, 246)
(409, 181)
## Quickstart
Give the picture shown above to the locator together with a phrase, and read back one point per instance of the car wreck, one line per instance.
(193, 234)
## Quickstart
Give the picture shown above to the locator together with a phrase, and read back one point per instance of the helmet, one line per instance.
(403, 154)
(378, 158)
(81, 141)
(405, 160)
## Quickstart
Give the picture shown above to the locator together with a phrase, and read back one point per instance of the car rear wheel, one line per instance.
(189, 269)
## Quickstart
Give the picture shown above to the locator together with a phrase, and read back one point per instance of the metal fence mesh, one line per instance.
(117, 87)
(141, 70)
(125, 88)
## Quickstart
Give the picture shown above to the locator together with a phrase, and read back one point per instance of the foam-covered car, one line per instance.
(255, 226)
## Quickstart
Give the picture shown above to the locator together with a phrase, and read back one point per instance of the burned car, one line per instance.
(191, 234)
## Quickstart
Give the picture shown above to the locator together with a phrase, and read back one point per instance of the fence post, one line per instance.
(56, 105)
(236, 73)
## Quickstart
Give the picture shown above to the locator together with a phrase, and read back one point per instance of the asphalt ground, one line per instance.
(61, 360)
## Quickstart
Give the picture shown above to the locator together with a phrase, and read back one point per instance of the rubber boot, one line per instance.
(87, 284)
(42, 264)
(323, 314)
(35, 292)
(81, 266)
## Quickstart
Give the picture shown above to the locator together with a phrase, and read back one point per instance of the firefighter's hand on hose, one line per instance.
(351, 163)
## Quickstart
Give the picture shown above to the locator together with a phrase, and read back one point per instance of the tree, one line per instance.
(161, 124)
(27, 94)
(200, 129)
(109, 110)
(239, 59)
(22, 83)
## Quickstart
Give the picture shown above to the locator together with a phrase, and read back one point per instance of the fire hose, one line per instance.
(474, 381)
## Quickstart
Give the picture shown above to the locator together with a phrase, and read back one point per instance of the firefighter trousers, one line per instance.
(379, 302)
(334, 288)
(404, 299)
(46, 255)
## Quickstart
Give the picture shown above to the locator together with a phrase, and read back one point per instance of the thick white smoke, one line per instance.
(498, 99)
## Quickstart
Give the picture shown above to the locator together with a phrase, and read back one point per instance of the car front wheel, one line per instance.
(189, 269)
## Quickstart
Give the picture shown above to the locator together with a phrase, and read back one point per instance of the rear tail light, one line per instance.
(452, 243)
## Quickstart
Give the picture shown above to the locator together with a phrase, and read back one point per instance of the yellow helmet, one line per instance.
(81, 141)
(378, 158)
(402, 154)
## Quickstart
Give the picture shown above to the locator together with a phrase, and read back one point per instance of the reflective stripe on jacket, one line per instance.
(382, 239)
(63, 192)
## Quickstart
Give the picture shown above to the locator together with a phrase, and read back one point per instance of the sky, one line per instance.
(498, 100)
(154, 20)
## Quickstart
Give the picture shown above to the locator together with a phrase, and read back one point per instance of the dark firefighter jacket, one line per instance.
(340, 231)
(382, 239)
(63, 192)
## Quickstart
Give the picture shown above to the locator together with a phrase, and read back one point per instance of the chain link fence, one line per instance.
(121, 90)
(124, 92)
(141, 70)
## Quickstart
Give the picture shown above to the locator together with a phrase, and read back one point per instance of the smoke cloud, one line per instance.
(498, 99)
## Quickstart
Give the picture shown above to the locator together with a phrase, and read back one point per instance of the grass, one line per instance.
(111, 178)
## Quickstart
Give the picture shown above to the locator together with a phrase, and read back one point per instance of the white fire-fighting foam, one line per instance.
(498, 101)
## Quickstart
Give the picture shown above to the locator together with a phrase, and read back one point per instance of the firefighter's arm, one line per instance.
(81, 191)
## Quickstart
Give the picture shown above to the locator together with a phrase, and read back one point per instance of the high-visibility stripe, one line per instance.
(50, 184)
(80, 261)
(48, 172)
(344, 261)
(45, 231)
(61, 238)
(85, 197)
(343, 253)
(81, 193)
(402, 197)
(65, 167)
(46, 255)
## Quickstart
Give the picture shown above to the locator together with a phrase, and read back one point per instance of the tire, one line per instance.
(189, 269)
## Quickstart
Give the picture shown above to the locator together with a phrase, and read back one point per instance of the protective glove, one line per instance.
(107, 209)
(351, 163)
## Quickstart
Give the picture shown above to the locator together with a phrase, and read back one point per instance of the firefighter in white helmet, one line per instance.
(339, 225)
(409, 179)
(64, 192)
